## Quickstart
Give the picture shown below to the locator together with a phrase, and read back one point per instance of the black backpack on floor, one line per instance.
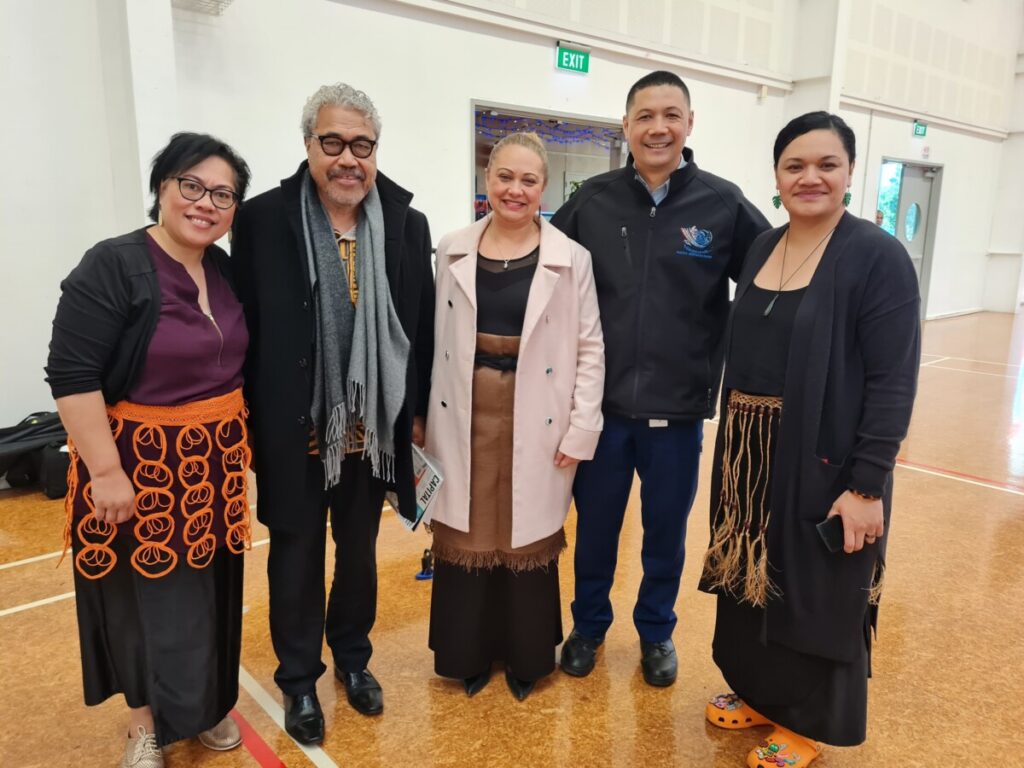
(33, 451)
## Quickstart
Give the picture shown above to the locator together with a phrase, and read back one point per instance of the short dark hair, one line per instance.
(658, 77)
(186, 150)
(816, 121)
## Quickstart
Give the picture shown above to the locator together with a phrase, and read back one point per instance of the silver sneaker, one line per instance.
(223, 736)
(142, 751)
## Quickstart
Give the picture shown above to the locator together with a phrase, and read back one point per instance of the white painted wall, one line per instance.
(971, 167)
(422, 70)
(60, 148)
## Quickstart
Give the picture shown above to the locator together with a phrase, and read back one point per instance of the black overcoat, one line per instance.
(851, 378)
(272, 277)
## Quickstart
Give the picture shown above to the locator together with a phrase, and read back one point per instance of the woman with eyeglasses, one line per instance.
(145, 365)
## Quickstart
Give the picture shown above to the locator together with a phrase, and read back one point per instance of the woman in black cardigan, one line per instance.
(821, 372)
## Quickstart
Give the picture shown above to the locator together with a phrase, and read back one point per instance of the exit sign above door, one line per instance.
(920, 129)
(572, 57)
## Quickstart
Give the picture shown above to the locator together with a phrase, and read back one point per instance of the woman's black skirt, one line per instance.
(172, 643)
(814, 697)
(482, 615)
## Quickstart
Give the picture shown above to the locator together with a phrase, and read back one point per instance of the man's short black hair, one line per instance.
(187, 150)
(659, 77)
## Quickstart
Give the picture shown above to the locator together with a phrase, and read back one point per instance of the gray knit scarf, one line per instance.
(362, 351)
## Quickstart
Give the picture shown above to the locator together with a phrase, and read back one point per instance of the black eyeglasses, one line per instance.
(193, 191)
(334, 146)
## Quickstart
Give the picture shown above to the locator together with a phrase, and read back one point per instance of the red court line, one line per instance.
(964, 475)
(257, 747)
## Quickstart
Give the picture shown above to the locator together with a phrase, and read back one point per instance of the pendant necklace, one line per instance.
(782, 283)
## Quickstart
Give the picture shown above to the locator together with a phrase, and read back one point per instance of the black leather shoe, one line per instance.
(363, 691)
(477, 683)
(578, 654)
(520, 688)
(659, 663)
(303, 718)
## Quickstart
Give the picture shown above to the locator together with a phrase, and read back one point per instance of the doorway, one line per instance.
(578, 147)
(908, 200)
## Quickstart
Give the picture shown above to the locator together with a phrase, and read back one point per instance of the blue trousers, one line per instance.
(667, 460)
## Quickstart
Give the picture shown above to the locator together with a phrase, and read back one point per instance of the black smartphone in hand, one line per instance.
(831, 531)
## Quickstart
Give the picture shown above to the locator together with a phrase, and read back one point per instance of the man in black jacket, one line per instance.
(333, 269)
(665, 238)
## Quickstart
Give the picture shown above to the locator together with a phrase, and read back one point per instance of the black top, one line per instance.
(107, 314)
(662, 275)
(759, 347)
(502, 290)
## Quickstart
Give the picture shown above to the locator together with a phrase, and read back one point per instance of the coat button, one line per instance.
(446, 354)
(305, 305)
(303, 362)
(549, 371)
(450, 303)
(302, 419)
(444, 404)
(548, 420)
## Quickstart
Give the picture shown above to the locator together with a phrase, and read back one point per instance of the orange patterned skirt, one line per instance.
(189, 466)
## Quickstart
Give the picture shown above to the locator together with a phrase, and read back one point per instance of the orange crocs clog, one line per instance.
(783, 749)
(727, 710)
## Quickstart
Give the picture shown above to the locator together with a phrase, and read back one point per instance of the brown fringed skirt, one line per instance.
(818, 698)
(492, 601)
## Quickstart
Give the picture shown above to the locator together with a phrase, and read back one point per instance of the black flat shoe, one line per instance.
(363, 691)
(578, 654)
(520, 688)
(303, 718)
(658, 661)
(477, 683)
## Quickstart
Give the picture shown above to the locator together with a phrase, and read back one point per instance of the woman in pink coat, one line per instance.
(515, 404)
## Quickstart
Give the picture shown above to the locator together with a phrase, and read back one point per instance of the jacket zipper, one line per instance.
(640, 313)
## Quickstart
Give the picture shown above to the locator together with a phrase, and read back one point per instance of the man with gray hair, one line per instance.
(333, 268)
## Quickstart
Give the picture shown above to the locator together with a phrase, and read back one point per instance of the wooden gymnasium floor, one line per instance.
(949, 661)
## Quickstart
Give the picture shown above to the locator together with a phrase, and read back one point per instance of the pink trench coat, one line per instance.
(559, 381)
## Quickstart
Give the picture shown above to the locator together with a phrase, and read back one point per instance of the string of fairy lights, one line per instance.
(551, 131)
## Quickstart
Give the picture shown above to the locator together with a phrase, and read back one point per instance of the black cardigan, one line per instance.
(107, 314)
(851, 378)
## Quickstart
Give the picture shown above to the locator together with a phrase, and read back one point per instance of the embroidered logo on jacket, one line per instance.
(696, 243)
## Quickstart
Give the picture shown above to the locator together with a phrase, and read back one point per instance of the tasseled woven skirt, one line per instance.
(818, 698)
(159, 598)
(492, 602)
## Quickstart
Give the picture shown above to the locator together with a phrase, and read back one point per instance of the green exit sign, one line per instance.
(920, 129)
(572, 59)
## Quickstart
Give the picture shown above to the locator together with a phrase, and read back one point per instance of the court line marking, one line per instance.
(962, 477)
(965, 370)
(36, 604)
(984, 362)
(254, 743)
(932, 362)
(274, 710)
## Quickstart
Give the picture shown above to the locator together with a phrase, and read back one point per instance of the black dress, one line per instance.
(492, 601)
(815, 697)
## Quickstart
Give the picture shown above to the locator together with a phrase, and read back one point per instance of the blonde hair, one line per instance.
(527, 139)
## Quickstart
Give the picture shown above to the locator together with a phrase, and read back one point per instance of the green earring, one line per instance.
(847, 198)
(777, 201)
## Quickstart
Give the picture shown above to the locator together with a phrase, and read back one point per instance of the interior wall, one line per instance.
(60, 145)
(422, 70)
(970, 167)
